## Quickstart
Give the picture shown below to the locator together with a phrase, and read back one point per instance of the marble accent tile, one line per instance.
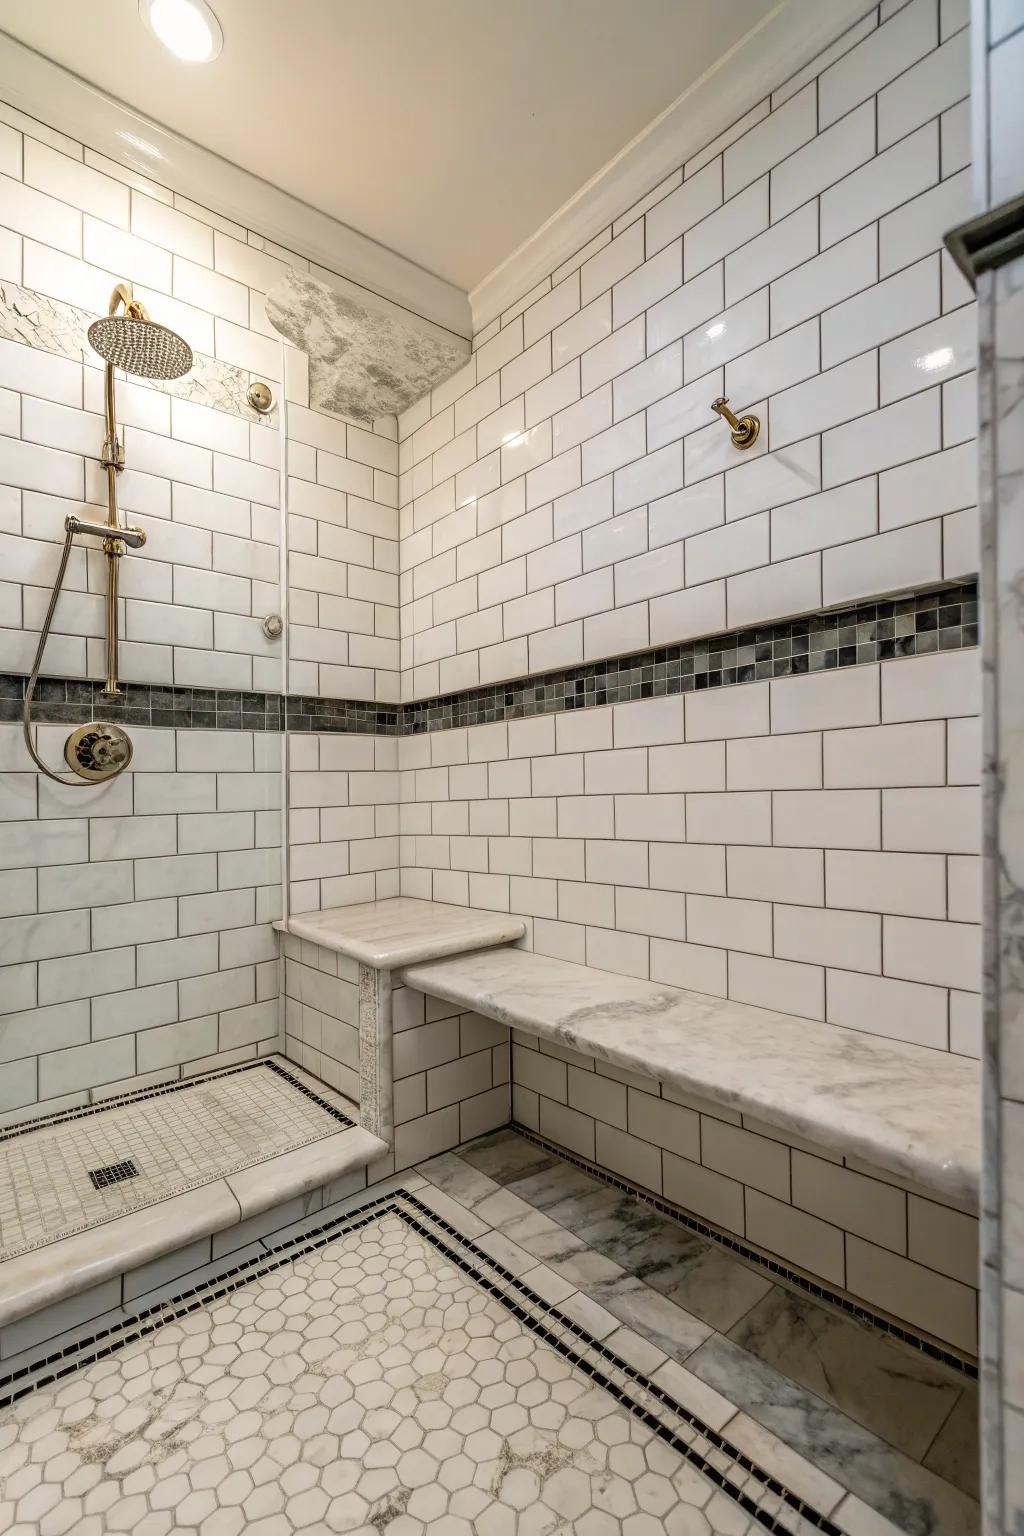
(54, 326)
(367, 358)
(897, 1393)
(909, 1495)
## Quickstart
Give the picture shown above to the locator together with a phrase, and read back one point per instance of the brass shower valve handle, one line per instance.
(744, 429)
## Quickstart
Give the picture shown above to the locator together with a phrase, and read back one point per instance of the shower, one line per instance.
(138, 345)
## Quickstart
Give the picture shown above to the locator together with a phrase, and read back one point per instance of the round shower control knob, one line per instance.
(273, 626)
(98, 751)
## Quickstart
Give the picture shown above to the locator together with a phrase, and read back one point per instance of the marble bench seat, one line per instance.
(401, 930)
(908, 1110)
(69, 1265)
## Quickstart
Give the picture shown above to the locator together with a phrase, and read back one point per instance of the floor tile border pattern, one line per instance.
(135, 1096)
(940, 619)
(753, 1256)
(720, 1462)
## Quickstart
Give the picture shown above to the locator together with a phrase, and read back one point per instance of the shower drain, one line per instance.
(114, 1173)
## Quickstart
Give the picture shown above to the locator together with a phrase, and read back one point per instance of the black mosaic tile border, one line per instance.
(945, 619)
(136, 1096)
(539, 1316)
(753, 1256)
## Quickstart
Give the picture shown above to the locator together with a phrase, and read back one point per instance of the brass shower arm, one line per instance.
(134, 307)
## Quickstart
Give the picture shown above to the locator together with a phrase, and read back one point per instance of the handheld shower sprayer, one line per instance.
(138, 345)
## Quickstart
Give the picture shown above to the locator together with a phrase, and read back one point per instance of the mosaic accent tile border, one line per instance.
(938, 620)
(757, 1492)
(137, 1095)
(753, 1256)
(942, 620)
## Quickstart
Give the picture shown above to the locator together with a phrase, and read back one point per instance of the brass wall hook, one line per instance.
(744, 428)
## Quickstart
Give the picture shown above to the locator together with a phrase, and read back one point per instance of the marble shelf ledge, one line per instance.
(402, 930)
(908, 1110)
(63, 1268)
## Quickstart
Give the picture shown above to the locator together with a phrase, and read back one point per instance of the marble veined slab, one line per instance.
(911, 1111)
(402, 930)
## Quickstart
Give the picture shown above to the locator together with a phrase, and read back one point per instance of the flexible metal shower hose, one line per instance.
(26, 713)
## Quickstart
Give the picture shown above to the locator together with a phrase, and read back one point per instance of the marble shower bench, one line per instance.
(905, 1109)
(378, 937)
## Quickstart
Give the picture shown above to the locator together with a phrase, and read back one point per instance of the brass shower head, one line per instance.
(136, 343)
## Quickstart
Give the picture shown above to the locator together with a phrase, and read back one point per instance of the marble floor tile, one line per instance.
(910, 1496)
(890, 1388)
(505, 1157)
(954, 1454)
(370, 1384)
(675, 1331)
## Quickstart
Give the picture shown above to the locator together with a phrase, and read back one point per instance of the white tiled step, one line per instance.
(42, 1276)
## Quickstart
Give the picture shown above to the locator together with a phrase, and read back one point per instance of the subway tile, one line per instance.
(777, 984)
(838, 395)
(931, 687)
(816, 285)
(771, 141)
(889, 562)
(942, 1306)
(750, 1159)
(909, 884)
(882, 55)
(943, 954)
(888, 181)
(929, 820)
(829, 158)
(864, 1206)
(704, 1192)
(878, 313)
(826, 818)
(730, 226)
(814, 1245)
(776, 874)
(906, 430)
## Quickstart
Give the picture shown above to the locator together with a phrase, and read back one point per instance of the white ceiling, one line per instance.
(448, 130)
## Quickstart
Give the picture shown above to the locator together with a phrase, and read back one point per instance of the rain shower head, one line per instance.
(140, 346)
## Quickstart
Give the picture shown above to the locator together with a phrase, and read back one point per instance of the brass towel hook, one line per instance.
(744, 428)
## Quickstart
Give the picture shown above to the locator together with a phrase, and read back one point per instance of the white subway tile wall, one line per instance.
(569, 495)
(135, 921)
(795, 843)
(853, 1227)
(137, 942)
(203, 481)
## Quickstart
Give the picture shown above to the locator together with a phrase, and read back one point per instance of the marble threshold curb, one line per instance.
(42, 1276)
(909, 1110)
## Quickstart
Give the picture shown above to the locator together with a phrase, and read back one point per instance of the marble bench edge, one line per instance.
(76, 1263)
(956, 1181)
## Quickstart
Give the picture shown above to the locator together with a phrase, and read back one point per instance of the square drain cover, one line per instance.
(114, 1173)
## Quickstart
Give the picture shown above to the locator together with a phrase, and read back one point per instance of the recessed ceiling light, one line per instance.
(188, 28)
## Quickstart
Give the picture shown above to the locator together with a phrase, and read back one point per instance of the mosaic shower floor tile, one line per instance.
(87, 1167)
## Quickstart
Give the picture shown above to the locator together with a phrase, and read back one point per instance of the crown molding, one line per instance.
(787, 39)
(54, 96)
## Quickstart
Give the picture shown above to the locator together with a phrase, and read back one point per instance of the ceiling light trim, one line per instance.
(57, 98)
(786, 40)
